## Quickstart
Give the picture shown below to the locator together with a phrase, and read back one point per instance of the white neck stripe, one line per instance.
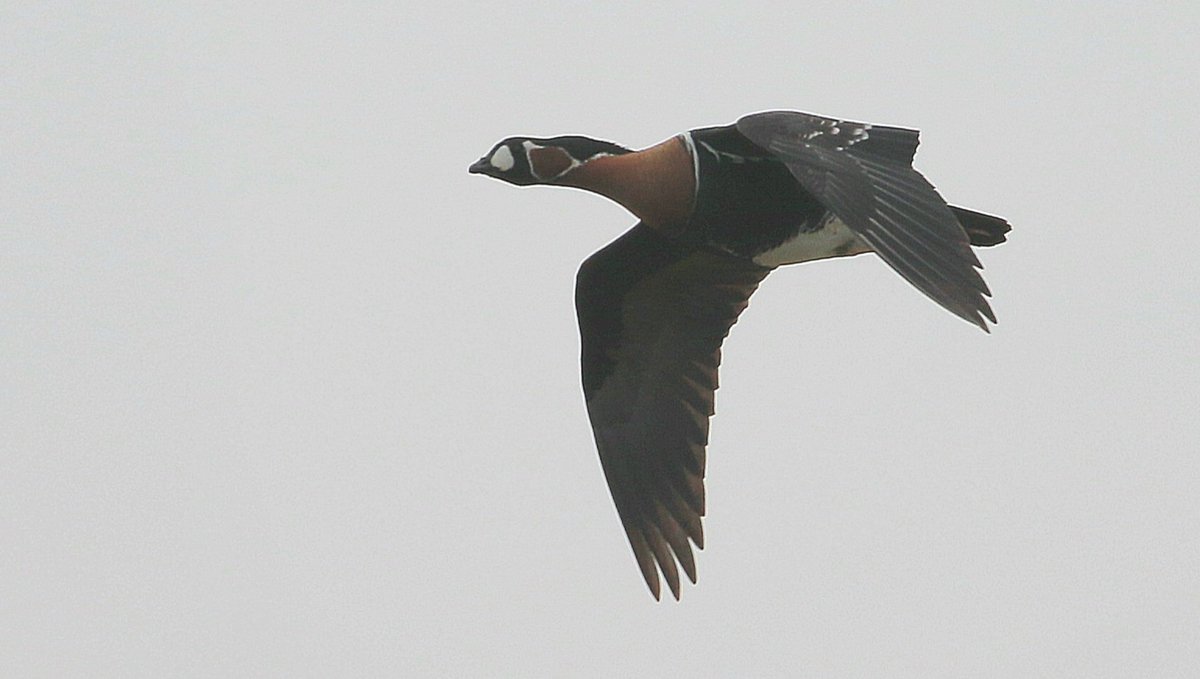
(691, 147)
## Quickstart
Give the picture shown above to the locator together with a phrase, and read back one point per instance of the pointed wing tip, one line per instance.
(980, 319)
(653, 566)
(985, 310)
(652, 581)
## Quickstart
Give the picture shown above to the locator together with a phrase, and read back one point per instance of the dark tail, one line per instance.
(983, 229)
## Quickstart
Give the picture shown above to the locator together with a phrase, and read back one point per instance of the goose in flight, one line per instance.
(719, 208)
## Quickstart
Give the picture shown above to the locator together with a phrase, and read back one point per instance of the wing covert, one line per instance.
(862, 173)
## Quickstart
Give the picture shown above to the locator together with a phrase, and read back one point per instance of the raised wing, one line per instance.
(652, 316)
(862, 173)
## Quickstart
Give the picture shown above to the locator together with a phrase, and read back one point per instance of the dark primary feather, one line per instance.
(652, 316)
(862, 174)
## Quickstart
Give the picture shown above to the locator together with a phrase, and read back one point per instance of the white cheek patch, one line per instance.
(502, 159)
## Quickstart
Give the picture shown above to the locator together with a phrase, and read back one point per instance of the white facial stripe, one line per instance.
(502, 159)
(530, 147)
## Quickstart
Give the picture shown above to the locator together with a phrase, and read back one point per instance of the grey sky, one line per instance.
(285, 392)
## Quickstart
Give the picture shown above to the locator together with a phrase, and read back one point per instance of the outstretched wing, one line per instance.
(652, 316)
(863, 174)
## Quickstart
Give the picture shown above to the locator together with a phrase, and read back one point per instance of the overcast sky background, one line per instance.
(285, 392)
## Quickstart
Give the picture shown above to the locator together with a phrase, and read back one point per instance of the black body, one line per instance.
(747, 201)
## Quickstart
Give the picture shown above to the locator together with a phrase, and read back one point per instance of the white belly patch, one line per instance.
(833, 239)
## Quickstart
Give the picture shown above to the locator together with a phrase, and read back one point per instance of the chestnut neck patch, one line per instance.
(548, 162)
